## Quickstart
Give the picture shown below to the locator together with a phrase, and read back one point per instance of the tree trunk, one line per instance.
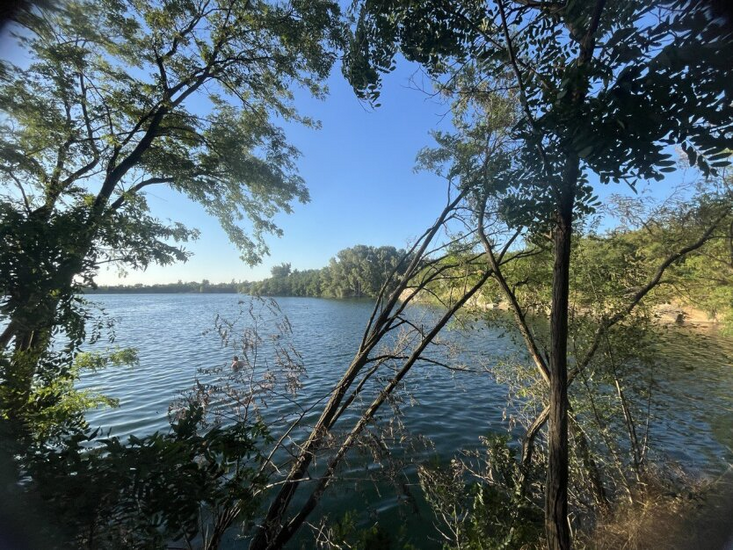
(556, 492)
(267, 533)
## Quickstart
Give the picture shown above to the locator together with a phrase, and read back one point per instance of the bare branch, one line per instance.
(286, 532)
(517, 311)
(523, 99)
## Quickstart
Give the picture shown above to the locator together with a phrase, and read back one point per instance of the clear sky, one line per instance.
(359, 168)
(359, 171)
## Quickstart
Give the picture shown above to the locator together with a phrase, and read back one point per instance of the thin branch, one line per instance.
(523, 99)
(20, 186)
(641, 293)
(287, 532)
(610, 322)
(136, 188)
(516, 309)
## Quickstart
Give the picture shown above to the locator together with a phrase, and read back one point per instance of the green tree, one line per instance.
(354, 272)
(22, 12)
(361, 270)
(703, 280)
(190, 484)
(602, 89)
(123, 95)
(280, 271)
(612, 349)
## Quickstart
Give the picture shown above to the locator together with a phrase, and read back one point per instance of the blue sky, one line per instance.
(359, 168)
(359, 171)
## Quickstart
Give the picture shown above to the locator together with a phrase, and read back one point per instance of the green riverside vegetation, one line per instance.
(703, 280)
(357, 272)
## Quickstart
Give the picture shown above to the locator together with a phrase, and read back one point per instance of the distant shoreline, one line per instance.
(180, 287)
(194, 293)
(157, 291)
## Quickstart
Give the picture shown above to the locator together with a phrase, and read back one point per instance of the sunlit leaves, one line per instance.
(655, 78)
(121, 95)
(102, 71)
(361, 270)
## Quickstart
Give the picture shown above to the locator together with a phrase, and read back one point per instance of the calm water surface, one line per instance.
(693, 407)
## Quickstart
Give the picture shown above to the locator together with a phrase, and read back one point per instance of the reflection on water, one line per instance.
(692, 409)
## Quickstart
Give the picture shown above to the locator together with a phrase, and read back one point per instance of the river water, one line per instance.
(692, 410)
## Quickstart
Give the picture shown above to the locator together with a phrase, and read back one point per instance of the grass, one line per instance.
(665, 517)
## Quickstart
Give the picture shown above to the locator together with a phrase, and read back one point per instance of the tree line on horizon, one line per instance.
(705, 282)
(179, 287)
(356, 272)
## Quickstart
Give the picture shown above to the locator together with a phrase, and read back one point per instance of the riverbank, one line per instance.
(680, 514)
(671, 313)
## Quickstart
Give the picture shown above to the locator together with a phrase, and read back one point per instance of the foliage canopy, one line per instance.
(123, 95)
